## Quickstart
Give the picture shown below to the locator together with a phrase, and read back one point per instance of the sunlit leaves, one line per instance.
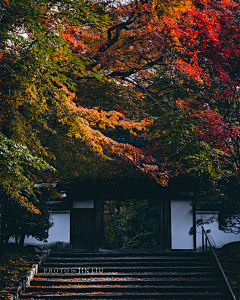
(16, 168)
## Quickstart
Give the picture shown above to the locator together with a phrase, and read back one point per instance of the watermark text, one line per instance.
(73, 270)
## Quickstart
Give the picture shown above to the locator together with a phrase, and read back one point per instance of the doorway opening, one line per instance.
(133, 224)
(82, 233)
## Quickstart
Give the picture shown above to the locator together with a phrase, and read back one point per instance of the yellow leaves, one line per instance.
(181, 7)
(170, 7)
(30, 207)
(31, 90)
(12, 189)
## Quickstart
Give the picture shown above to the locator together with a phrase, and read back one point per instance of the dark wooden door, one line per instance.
(82, 229)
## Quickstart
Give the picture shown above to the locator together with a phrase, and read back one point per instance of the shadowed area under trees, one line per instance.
(132, 218)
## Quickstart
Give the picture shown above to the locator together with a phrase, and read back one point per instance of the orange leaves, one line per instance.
(1, 54)
(183, 104)
(107, 120)
(127, 156)
(91, 128)
(191, 70)
(80, 39)
(30, 207)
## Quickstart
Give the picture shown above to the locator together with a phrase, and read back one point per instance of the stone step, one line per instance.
(125, 259)
(138, 275)
(123, 281)
(121, 296)
(147, 275)
(118, 288)
(98, 269)
(128, 253)
(125, 264)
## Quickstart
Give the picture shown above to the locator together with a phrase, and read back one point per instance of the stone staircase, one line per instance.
(124, 275)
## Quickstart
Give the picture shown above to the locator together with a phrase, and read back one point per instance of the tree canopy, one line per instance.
(79, 77)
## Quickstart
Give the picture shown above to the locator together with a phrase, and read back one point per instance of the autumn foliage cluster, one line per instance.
(91, 89)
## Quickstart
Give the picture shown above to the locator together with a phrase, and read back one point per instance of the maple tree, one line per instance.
(169, 62)
(216, 52)
(82, 82)
(26, 74)
(187, 64)
(184, 61)
(41, 118)
(39, 66)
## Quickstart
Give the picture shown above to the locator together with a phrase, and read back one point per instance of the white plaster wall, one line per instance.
(181, 222)
(59, 232)
(220, 237)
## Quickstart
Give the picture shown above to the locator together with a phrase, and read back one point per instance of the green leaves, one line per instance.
(37, 68)
(17, 166)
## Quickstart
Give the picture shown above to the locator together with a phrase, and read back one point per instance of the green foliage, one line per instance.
(141, 241)
(17, 166)
(222, 197)
(37, 82)
(19, 222)
(126, 219)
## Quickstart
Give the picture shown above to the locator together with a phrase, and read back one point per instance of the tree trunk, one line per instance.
(3, 204)
(16, 238)
(21, 240)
